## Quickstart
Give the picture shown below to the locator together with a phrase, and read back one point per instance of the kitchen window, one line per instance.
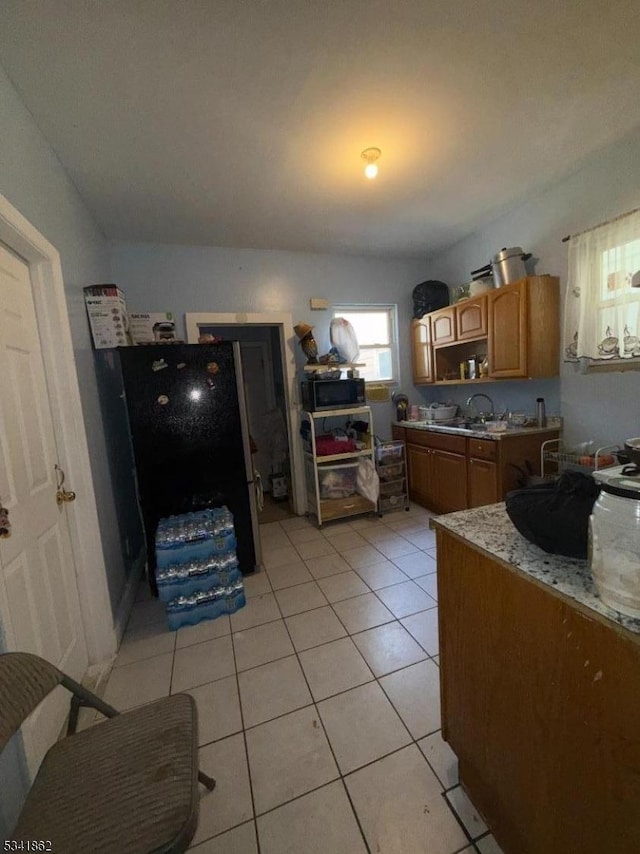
(602, 310)
(375, 327)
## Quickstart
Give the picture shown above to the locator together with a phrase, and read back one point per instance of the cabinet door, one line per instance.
(419, 470)
(482, 482)
(421, 355)
(449, 481)
(508, 331)
(443, 325)
(471, 319)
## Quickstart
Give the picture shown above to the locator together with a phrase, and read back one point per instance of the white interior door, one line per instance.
(257, 370)
(39, 603)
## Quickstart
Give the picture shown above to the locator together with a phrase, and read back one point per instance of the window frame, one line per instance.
(391, 309)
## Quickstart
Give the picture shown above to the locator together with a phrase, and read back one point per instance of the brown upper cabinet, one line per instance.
(471, 319)
(517, 326)
(443, 325)
(421, 353)
(524, 328)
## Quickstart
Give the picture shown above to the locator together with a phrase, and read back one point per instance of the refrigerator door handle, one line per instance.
(246, 445)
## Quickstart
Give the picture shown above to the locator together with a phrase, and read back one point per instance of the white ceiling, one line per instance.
(240, 122)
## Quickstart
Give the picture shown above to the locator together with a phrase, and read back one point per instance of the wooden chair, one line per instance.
(128, 785)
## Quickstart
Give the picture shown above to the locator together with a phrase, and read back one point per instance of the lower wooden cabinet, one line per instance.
(437, 479)
(450, 472)
(450, 487)
(420, 471)
(540, 704)
(482, 483)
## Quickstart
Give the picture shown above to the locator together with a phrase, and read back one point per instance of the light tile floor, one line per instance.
(318, 703)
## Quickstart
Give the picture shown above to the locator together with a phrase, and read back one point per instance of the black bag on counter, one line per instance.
(556, 517)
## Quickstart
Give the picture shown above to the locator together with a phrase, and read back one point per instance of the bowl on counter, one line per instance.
(437, 412)
(495, 426)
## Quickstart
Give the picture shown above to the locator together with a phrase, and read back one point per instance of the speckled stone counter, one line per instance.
(476, 434)
(490, 530)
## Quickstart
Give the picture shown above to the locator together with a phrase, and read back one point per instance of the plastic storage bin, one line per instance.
(337, 481)
(391, 471)
(390, 453)
(389, 488)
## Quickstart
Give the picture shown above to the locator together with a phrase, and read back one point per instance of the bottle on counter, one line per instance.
(541, 412)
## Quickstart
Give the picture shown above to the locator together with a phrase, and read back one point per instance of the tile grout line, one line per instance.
(315, 646)
(244, 739)
(314, 702)
(328, 741)
(377, 680)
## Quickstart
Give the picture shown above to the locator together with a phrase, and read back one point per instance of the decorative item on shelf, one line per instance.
(484, 367)
(463, 291)
(480, 286)
(472, 369)
(429, 296)
(331, 358)
(307, 342)
(208, 338)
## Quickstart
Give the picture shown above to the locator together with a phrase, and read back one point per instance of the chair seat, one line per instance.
(125, 786)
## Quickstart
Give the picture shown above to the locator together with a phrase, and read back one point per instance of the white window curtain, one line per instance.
(602, 309)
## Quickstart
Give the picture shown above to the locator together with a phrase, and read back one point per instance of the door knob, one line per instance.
(62, 495)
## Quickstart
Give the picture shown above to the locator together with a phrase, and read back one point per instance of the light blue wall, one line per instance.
(187, 279)
(601, 407)
(33, 180)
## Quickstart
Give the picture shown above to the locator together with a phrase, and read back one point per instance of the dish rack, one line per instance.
(555, 451)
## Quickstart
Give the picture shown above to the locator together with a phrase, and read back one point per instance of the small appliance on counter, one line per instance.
(401, 402)
(614, 554)
(318, 395)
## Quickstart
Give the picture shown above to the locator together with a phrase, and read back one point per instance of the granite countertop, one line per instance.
(490, 529)
(470, 431)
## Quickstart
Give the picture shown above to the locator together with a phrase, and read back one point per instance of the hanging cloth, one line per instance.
(602, 307)
(343, 337)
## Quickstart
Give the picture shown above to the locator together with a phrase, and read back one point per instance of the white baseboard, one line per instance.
(129, 595)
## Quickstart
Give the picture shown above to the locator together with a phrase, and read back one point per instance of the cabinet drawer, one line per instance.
(483, 449)
(439, 441)
(334, 508)
(398, 432)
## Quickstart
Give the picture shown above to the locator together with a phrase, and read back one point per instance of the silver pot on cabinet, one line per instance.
(506, 267)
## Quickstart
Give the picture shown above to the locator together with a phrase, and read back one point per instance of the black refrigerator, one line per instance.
(188, 420)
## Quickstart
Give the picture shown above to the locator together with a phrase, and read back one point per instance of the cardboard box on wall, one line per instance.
(153, 327)
(108, 318)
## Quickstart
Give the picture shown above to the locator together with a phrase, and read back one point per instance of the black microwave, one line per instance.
(318, 395)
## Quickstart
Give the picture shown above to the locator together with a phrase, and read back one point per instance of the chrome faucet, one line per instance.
(471, 405)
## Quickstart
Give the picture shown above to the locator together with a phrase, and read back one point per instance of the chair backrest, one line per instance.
(25, 680)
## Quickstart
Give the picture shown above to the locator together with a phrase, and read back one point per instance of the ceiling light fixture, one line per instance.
(370, 155)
